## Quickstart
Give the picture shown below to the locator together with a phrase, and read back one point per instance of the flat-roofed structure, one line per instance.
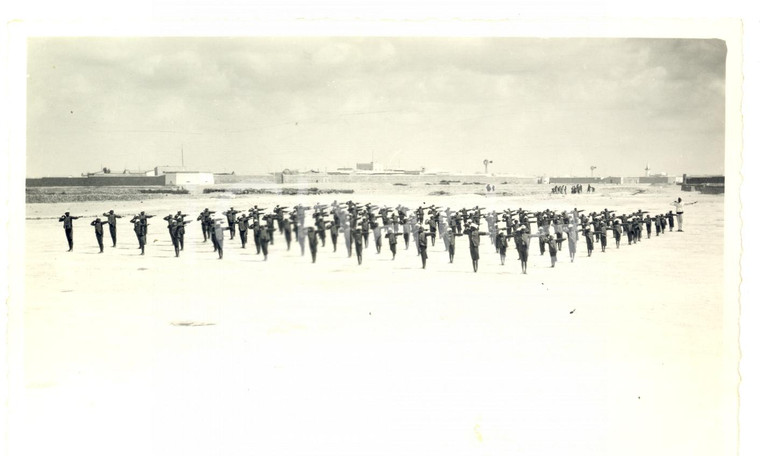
(713, 184)
(189, 178)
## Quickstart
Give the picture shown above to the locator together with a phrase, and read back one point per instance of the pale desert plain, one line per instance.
(620, 353)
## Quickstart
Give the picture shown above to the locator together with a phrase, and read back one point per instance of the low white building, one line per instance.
(189, 178)
(165, 169)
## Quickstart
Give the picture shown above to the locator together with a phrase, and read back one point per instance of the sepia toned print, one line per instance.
(377, 245)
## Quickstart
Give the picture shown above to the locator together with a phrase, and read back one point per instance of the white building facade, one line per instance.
(189, 178)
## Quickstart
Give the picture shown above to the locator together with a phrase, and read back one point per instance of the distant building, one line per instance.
(105, 172)
(189, 178)
(714, 184)
(371, 166)
(657, 179)
(165, 169)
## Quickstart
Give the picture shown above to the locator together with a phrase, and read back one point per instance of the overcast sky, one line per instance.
(253, 105)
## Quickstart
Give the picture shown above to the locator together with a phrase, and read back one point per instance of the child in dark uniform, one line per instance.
(589, 235)
(98, 224)
(501, 244)
(356, 235)
(473, 235)
(392, 241)
(264, 238)
(311, 234)
(422, 245)
(552, 244)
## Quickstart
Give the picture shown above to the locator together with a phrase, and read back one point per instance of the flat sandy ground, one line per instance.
(617, 354)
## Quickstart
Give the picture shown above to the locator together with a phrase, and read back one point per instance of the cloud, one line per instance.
(427, 99)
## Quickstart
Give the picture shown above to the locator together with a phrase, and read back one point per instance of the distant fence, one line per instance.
(96, 181)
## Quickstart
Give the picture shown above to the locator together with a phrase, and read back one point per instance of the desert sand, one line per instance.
(619, 353)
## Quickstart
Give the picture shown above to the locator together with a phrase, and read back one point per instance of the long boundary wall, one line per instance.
(318, 178)
(244, 179)
(575, 180)
(696, 180)
(97, 181)
(613, 180)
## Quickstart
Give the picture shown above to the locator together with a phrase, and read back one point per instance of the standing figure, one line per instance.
(181, 232)
(416, 234)
(356, 235)
(522, 239)
(334, 230)
(347, 225)
(473, 235)
(450, 242)
(112, 225)
(319, 224)
(144, 221)
(617, 232)
(312, 236)
(365, 230)
(68, 227)
(174, 226)
(588, 233)
(433, 231)
(256, 228)
(559, 234)
(377, 233)
(265, 239)
(552, 243)
(270, 227)
(171, 226)
(207, 223)
(217, 237)
(243, 227)
(602, 233)
(392, 241)
(279, 216)
(202, 218)
(98, 224)
(140, 232)
(501, 244)
(572, 238)
(541, 240)
(407, 227)
(422, 245)
(679, 204)
(287, 230)
(231, 221)
(657, 225)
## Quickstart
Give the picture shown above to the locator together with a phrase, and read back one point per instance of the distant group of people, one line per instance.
(310, 226)
(562, 189)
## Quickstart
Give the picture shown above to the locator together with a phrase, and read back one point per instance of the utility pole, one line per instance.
(485, 163)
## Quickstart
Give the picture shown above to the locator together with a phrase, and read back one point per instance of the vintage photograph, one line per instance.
(379, 245)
